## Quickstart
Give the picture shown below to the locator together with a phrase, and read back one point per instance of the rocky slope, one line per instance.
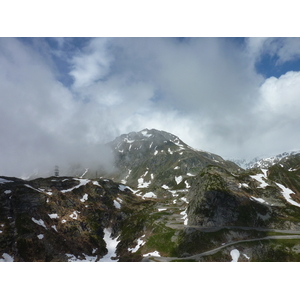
(165, 202)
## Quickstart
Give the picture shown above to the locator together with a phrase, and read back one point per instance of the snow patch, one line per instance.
(154, 253)
(150, 195)
(53, 216)
(84, 198)
(82, 182)
(235, 254)
(146, 134)
(259, 178)
(54, 227)
(39, 222)
(2, 180)
(6, 258)
(246, 256)
(187, 184)
(176, 168)
(40, 236)
(184, 199)
(142, 184)
(140, 243)
(286, 192)
(243, 185)
(165, 187)
(185, 217)
(161, 209)
(190, 174)
(117, 204)
(122, 188)
(111, 245)
(74, 215)
(96, 183)
(170, 151)
(178, 179)
(259, 200)
(7, 192)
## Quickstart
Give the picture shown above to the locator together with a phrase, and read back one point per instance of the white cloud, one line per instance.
(92, 64)
(206, 91)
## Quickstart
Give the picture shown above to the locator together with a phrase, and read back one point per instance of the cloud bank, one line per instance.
(62, 98)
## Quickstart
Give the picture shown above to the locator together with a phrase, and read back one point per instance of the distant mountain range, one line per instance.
(162, 201)
(265, 162)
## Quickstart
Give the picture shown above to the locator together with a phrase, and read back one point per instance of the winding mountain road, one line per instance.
(213, 251)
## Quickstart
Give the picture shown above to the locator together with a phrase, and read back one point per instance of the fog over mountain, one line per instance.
(61, 98)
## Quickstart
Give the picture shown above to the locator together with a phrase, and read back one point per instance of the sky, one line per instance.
(63, 97)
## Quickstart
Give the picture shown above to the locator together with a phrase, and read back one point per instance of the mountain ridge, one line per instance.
(164, 201)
